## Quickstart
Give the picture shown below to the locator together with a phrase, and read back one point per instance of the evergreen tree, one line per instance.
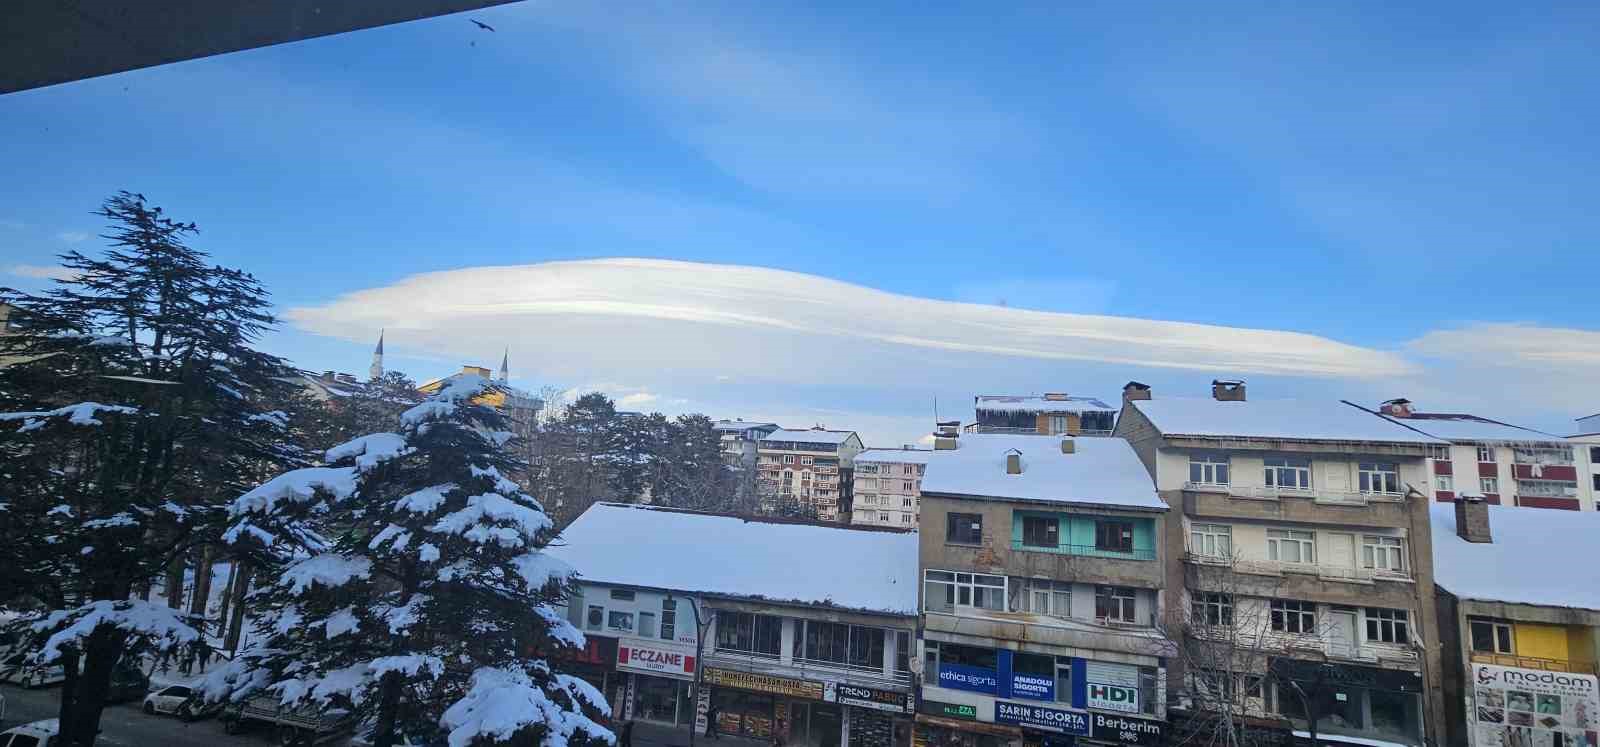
(128, 418)
(434, 607)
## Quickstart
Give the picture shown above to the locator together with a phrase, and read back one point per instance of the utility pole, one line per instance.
(699, 665)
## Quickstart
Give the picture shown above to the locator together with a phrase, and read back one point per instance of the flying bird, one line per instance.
(481, 24)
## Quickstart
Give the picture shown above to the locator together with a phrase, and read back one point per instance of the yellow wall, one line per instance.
(1580, 643)
(1542, 641)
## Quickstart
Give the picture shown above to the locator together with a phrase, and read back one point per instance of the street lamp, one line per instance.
(699, 663)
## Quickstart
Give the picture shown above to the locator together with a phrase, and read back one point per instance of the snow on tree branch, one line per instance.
(501, 703)
(82, 413)
(370, 450)
(161, 626)
(296, 486)
(327, 570)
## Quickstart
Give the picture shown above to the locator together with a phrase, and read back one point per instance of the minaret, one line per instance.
(376, 372)
(505, 367)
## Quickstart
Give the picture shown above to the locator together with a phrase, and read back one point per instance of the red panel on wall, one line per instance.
(1565, 472)
(1443, 467)
(1533, 501)
(1445, 496)
(1488, 469)
(1493, 498)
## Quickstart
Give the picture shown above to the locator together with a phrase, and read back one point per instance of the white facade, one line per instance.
(887, 487)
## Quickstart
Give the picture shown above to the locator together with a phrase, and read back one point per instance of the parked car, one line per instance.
(182, 701)
(300, 725)
(16, 670)
(37, 734)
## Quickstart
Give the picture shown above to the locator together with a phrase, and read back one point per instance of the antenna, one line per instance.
(935, 408)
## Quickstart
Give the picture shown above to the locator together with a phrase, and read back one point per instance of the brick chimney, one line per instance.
(1135, 390)
(1227, 390)
(1069, 446)
(945, 434)
(1472, 519)
(1013, 462)
(1399, 407)
(1056, 397)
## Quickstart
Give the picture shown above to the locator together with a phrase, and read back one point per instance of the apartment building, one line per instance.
(1041, 586)
(739, 439)
(1586, 446)
(813, 466)
(821, 658)
(1298, 545)
(1519, 622)
(886, 487)
(1504, 463)
(1051, 413)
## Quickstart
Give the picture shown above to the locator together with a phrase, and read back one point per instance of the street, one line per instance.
(124, 725)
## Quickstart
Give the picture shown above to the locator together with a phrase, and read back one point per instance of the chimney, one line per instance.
(945, 433)
(1472, 519)
(1227, 390)
(1396, 408)
(1069, 446)
(1056, 397)
(1135, 390)
(1013, 462)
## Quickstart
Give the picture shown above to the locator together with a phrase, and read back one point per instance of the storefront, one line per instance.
(660, 678)
(874, 717)
(1350, 700)
(940, 724)
(765, 706)
(1513, 706)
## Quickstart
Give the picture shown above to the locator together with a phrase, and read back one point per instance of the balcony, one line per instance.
(1270, 493)
(1280, 568)
(1087, 551)
(1318, 507)
(1030, 431)
(1314, 647)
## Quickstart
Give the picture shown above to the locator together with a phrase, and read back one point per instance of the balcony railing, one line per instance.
(1270, 493)
(1030, 430)
(1531, 662)
(1279, 568)
(1089, 551)
(1310, 646)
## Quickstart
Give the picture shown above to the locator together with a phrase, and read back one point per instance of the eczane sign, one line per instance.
(655, 657)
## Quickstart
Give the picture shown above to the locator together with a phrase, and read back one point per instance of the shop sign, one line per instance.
(638, 655)
(1532, 706)
(1111, 687)
(1055, 720)
(764, 683)
(872, 697)
(1126, 730)
(961, 677)
(1319, 673)
(950, 710)
(1033, 686)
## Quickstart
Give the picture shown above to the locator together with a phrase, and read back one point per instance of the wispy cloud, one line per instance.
(1508, 369)
(738, 320)
(73, 237)
(42, 272)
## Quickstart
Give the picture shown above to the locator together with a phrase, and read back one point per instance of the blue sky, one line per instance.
(1410, 188)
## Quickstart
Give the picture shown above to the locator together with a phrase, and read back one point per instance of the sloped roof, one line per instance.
(1038, 403)
(810, 436)
(1102, 472)
(1537, 557)
(693, 552)
(1288, 419)
(1454, 427)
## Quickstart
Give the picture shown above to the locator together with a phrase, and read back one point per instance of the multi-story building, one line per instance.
(821, 657)
(1051, 413)
(1586, 443)
(812, 466)
(1299, 546)
(1041, 585)
(1504, 463)
(739, 440)
(886, 487)
(1519, 622)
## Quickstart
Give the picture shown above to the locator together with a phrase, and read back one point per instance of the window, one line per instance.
(839, 643)
(1491, 637)
(1211, 540)
(1485, 453)
(1211, 608)
(1113, 536)
(669, 619)
(647, 624)
(1597, 481)
(1114, 603)
(1290, 616)
(905, 486)
(964, 529)
(1058, 424)
(1208, 469)
(620, 621)
(1386, 626)
(883, 516)
(1444, 482)
(749, 633)
(806, 460)
(902, 651)
(1042, 596)
(597, 617)
(788, 459)
(1489, 485)
(905, 518)
(943, 591)
(1288, 474)
(625, 595)
(1383, 553)
(1380, 477)
(1039, 531)
(905, 503)
(1291, 546)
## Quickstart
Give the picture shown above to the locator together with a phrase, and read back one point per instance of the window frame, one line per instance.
(1057, 596)
(1207, 533)
(1297, 468)
(1502, 637)
(1041, 528)
(595, 617)
(1208, 466)
(1212, 609)
(965, 585)
(1370, 474)
(1292, 616)
(669, 619)
(1277, 538)
(1445, 483)
(1390, 550)
(1486, 451)
(1489, 485)
(612, 616)
(973, 536)
(730, 638)
(1379, 621)
(1125, 600)
(1105, 528)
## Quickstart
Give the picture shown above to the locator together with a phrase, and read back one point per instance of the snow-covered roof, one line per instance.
(1530, 561)
(692, 552)
(1471, 428)
(740, 425)
(1101, 472)
(894, 456)
(1299, 420)
(1039, 403)
(810, 436)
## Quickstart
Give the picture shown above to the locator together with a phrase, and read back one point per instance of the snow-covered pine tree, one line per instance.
(126, 422)
(425, 600)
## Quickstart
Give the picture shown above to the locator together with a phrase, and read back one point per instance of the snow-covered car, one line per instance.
(16, 670)
(37, 734)
(179, 700)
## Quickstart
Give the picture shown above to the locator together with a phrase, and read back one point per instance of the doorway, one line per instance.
(1342, 633)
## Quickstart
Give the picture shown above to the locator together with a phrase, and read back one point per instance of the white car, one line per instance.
(173, 699)
(16, 670)
(36, 734)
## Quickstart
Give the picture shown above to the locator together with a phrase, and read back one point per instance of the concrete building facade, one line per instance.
(811, 466)
(1299, 565)
(886, 487)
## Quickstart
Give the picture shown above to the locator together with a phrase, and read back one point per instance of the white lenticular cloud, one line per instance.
(724, 320)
